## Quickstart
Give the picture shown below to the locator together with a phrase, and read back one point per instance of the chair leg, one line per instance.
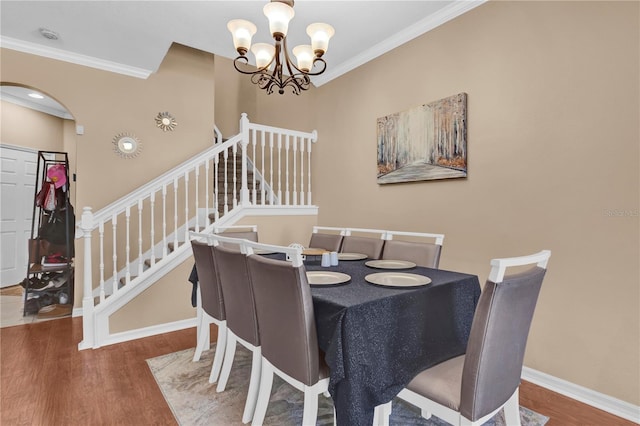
(203, 336)
(254, 383)
(512, 410)
(266, 381)
(310, 410)
(381, 414)
(229, 354)
(219, 355)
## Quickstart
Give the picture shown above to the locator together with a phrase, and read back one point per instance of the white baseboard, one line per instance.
(598, 400)
(153, 330)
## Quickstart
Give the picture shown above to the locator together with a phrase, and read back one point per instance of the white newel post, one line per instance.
(86, 225)
(244, 187)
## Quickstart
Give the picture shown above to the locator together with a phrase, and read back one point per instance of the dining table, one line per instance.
(377, 337)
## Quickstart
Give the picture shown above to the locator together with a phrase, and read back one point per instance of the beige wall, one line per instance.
(31, 129)
(553, 131)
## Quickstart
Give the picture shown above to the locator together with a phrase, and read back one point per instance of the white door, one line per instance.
(17, 183)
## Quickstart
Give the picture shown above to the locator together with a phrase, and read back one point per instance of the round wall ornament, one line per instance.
(127, 145)
(166, 121)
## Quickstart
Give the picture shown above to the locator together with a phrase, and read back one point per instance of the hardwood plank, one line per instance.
(45, 380)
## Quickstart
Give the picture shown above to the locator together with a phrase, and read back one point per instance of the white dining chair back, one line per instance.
(472, 388)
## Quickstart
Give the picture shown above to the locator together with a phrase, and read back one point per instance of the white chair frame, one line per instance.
(511, 406)
(439, 238)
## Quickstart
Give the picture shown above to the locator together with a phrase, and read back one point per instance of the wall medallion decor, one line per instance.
(127, 145)
(424, 143)
(166, 121)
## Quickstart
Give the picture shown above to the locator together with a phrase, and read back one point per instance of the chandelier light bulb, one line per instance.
(264, 54)
(304, 55)
(279, 15)
(320, 34)
(242, 32)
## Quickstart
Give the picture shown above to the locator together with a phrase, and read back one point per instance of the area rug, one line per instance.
(194, 401)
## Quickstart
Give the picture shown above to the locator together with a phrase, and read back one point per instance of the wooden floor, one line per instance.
(45, 381)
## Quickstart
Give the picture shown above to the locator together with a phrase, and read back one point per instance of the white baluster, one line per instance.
(101, 237)
(197, 197)
(226, 184)
(175, 214)
(254, 143)
(164, 221)
(186, 206)
(295, 171)
(279, 168)
(128, 245)
(216, 193)
(302, 171)
(262, 191)
(207, 167)
(114, 258)
(244, 141)
(286, 193)
(140, 260)
(271, 168)
(152, 202)
(234, 150)
(309, 172)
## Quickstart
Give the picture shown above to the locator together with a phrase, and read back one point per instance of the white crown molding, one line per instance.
(74, 58)
(595, 399)
(432, 21)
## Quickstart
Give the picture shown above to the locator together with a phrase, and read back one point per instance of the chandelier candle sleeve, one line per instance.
(273, 63)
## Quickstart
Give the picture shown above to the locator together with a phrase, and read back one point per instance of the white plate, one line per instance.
(390, 264)
(323, 278)
(351, 256)
(397, 279)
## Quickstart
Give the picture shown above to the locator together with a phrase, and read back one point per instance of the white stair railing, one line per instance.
(202, 189)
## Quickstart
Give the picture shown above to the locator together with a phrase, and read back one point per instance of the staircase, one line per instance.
(135, 241)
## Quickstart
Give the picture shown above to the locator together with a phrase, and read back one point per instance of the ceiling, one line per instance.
(132, 37)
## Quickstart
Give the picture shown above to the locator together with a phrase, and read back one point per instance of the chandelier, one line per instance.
(274, 66)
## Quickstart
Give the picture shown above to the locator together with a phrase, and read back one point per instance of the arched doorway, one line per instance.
(32, 121)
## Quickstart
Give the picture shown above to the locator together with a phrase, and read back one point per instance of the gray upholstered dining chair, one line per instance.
(242, 322)
(371, 246)
(324, 240)
(211, 305)
(287, 332)
(472, 388)
(421, 253)
(243, 232)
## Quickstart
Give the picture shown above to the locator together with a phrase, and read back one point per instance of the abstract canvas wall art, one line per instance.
(424, 143)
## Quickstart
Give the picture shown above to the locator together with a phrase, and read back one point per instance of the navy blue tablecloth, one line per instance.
(377, 339)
